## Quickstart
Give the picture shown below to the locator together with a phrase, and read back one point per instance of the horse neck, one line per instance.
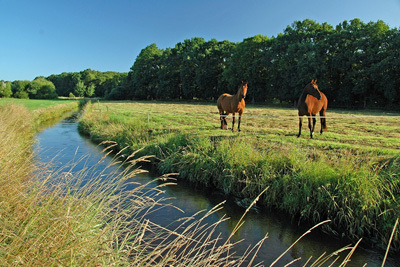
(238, 96)
(303, 96)
(305, 93)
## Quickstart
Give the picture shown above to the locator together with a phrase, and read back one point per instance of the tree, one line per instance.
(170, 84)
(40, 88)
(143, 79)
(189, 51)
(80, 89)
(211, 61)
(19, 89)
(65, 83)
(5, 89)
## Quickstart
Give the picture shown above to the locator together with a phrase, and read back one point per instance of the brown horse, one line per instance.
(228, 104)
(312, 101)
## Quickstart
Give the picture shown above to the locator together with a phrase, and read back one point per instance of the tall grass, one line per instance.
(94, 217)
(350, 179)
(86, 218)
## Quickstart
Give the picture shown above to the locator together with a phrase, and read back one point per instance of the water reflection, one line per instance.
(62, 144)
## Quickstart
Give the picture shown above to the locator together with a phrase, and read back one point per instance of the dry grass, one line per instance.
(83, 218)
(53, 218)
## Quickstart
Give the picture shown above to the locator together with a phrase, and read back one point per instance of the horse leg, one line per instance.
(240, 116)
(222, 119)
(225, 122)
(310, 125)
(233, 122)
(300, 124)
(323, 120)
(314, 121)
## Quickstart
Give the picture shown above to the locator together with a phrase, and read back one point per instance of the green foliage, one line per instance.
(40, 88)
(5, 89)
(19, 89)
(143, 79)
(89, 82)
(80, 89)
(355, 64)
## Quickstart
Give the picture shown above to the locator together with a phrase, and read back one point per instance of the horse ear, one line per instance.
(315, 81)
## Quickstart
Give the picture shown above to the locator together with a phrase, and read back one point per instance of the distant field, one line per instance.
(33, 104)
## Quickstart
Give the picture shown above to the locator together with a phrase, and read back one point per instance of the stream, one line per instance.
(62, 144)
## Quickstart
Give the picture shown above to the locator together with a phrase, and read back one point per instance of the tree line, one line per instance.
(87, 83)
(356, 64)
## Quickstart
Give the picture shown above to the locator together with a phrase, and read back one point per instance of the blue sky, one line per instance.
(44, 37)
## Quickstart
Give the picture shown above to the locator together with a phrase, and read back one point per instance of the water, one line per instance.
(62, 144)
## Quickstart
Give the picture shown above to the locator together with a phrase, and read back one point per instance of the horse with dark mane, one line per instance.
(312, 101)
(228, 104)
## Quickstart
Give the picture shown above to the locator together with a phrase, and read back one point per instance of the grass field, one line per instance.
(349, 174)
(32, 104)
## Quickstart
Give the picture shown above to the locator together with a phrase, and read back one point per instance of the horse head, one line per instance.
(312, 89)
(243, 90)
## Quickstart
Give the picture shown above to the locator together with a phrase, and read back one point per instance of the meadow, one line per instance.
(349, 174)
(34, 104)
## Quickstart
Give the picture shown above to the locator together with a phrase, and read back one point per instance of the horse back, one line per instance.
(312, 105)
(223, 101)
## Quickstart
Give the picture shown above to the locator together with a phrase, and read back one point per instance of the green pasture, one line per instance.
(370, 132)
(349, 174)
(33, 104)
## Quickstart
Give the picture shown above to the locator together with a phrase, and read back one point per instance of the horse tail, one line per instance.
(324, 109)
(323, 121)
(219, 103)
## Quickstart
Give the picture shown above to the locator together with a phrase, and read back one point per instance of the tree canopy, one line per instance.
(356, 64)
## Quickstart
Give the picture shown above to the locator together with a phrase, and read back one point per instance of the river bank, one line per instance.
(73, 216)
(348, 175)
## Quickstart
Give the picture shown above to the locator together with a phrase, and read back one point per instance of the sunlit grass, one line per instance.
(33, 104)
(340, 175)
(89, 218)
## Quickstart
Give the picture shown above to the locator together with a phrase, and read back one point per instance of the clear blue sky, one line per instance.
(44, 37)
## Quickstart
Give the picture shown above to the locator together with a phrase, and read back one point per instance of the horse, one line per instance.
(312, 101)
(228, 104)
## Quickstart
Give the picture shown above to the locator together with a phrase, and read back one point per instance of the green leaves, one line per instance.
(355, 64)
